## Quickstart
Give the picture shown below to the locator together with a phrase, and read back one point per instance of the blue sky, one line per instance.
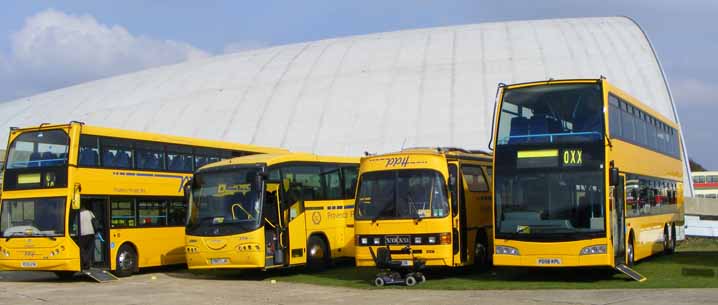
(123, 36)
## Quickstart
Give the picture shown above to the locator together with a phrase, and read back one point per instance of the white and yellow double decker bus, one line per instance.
(271, 211)
(131, 181)
(585, 175)
(428, 204)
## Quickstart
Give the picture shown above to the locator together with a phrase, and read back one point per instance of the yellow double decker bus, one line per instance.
(585, 175)
(270, 211)
(131, 182)
(428, 204)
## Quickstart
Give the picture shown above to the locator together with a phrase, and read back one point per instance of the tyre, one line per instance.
(65, 275)
(410, 280)
(126, 263)
(317, 254)
(481, 256)
(422, 278)
(630, 253)
(673, 238)
(666, 241)
(378, 282)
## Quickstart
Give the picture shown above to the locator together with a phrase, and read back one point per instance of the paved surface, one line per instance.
(174, 288)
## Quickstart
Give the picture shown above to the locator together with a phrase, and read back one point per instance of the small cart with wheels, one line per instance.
(397, 271)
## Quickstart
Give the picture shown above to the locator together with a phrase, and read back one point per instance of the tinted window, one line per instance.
(176, 213)
(331, 182)
(474, 178)
(649, 196)
(89, 151)
(305, 179)
(38, 149)
(116, 153)
(149, 156)
(122, 212)
(179, 158)
(151, 212)
(350, 180)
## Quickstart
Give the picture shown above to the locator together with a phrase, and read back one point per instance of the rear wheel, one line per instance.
(126, 262)
(317, 254)
(666, 241)
(630, 254)
(673, 238)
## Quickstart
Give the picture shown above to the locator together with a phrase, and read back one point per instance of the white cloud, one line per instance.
(55, 49)
(690, 91)
(244, 46)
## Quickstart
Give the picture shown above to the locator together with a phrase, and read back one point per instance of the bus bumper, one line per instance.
(442, 256)
(552, 260)
(71, 264)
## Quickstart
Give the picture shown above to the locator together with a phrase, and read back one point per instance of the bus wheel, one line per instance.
(378, 281)
(65, 275)
(666, 241)
(481, 256)
(317, 254)
(126, 261)
(672, 245)
(630, 254)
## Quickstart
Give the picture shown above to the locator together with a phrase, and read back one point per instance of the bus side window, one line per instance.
(349, 175)
(474, 178)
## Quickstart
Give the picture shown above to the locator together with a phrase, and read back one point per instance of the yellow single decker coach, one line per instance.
(132, 182)
(430, 204)
(584, 175)
(271, 211)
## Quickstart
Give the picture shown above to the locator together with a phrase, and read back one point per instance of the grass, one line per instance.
(694, 265)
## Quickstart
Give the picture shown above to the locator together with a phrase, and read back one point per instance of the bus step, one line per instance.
(99, 275)
(630, 272)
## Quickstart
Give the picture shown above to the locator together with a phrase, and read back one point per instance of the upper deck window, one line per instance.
(558, 113)
(47, 148)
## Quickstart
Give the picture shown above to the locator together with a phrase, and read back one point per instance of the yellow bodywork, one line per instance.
(478, 209)
(332, 219)
(155, 246)
(629, 158)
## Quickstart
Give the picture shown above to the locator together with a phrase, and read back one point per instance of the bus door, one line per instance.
(618, 221)
(294, 233)
(99, 207)
(274, 254)
(458, 213)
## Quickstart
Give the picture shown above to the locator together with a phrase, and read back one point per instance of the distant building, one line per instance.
(705, 184)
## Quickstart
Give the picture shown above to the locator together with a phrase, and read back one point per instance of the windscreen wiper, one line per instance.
(7, 238)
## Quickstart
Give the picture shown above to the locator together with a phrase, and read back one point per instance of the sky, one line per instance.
(46, 45)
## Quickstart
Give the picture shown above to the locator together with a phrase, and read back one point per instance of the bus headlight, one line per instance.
(363, 241)
(507, 250)
(432, 239)
(595, 249)
(417, 240)
(377, 240)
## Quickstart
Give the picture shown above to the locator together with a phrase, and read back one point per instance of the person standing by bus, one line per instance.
(87, 237)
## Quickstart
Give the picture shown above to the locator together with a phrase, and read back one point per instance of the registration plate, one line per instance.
(397, 240)
(28, 264)
(549, 261)
(219, 261)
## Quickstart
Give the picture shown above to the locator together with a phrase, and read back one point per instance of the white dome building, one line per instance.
(377, 92)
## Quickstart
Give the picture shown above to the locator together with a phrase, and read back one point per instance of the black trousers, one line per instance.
(87, 250)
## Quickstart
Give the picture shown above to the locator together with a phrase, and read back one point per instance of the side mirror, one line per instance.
(613, 176)
(187, 190)
(76, 197)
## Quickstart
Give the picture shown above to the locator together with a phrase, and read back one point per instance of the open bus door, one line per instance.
(618, 226)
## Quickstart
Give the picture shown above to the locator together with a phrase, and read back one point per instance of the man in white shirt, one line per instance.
(87, 238)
